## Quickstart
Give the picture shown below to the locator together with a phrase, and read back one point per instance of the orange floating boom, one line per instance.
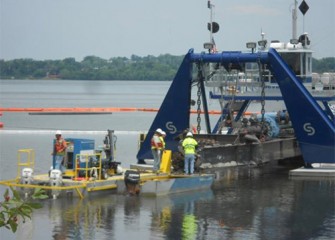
(96, 110)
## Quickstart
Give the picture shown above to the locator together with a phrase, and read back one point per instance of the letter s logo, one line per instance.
(309, 129)
(172, 128)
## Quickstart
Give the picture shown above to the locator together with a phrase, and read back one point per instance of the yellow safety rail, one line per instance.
(87, 169)
(29, 160)
(12, 183)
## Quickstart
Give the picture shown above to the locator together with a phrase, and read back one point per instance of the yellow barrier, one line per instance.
(166, 162)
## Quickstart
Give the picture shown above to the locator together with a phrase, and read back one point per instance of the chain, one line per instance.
(262, 95)
(199, 98)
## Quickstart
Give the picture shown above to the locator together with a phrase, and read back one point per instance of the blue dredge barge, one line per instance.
(311, 116)
(280, 73)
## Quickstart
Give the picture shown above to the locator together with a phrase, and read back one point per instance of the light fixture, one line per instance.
(262, 43)
(294, 41)
(208, 45)
(251, 45)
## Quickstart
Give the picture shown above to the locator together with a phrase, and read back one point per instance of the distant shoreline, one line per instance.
(150, 68)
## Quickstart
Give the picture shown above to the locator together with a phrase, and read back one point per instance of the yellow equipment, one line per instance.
(166, 162)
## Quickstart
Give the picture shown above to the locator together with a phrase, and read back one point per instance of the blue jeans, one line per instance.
(156, 153)
(58, 162)
(189, 163)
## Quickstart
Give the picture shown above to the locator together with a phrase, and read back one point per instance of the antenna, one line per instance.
(294, 20)
(213, 27)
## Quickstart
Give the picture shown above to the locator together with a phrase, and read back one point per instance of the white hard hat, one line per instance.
(119, 169)
(163, 133)
(189, 134)
(160, 131)
(58, 132)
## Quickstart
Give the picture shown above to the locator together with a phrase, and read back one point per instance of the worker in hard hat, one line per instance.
(59, 151)
(156, 149)
(190, 145)
(162, 137)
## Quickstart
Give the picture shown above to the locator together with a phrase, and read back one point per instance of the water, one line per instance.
(264, 206)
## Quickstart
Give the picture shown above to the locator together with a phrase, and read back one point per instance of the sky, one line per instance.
(59, 29)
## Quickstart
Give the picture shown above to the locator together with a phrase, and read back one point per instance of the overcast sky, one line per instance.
(57, 29)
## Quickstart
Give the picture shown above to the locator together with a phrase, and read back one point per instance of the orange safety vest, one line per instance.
(156, 142)
(60, 146)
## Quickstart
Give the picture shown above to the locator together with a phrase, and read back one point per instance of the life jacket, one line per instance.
(156, 142)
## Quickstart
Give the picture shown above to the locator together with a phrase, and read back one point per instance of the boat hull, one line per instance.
(151, 184)
(177, 184)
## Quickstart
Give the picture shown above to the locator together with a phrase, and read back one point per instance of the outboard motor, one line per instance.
(27, 178)
(132, 181)
(55, 181)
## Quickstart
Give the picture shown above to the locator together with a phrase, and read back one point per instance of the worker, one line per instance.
(156, 149)
(59, 151)
(162, 138)
(189, 144)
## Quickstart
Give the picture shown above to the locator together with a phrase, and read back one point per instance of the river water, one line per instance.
(267, 205)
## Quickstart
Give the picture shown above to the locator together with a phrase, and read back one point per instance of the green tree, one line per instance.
(14, 207)
(163, 67)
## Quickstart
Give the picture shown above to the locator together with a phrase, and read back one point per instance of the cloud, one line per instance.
(255, 10)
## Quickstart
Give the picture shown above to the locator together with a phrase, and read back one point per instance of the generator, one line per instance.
(81, 154)
(77, 148)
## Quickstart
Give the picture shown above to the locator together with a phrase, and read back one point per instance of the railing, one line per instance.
(29, 163)
(88, 169)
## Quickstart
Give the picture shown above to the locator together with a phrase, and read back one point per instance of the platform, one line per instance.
(318, 171)
(141, 167)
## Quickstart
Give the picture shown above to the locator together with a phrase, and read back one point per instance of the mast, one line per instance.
(294, 20)
(210, 6)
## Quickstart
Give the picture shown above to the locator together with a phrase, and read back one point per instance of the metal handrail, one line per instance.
(30, 162)
(86, 168)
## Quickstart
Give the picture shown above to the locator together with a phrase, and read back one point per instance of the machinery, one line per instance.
(84, 161)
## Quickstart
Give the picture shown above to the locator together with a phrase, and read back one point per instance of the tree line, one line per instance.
(163, 67)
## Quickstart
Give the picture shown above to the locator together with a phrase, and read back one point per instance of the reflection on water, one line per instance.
(120, 217)
(189, 222)
(82, 219)
(253, 209)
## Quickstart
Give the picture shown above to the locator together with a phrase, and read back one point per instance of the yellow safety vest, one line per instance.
(189, 145)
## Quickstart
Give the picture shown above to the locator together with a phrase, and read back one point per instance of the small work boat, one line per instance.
(89, 171)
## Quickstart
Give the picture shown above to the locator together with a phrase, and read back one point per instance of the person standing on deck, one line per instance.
(162, 138)
(59, 150)
(156, 149)
(189, 144)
